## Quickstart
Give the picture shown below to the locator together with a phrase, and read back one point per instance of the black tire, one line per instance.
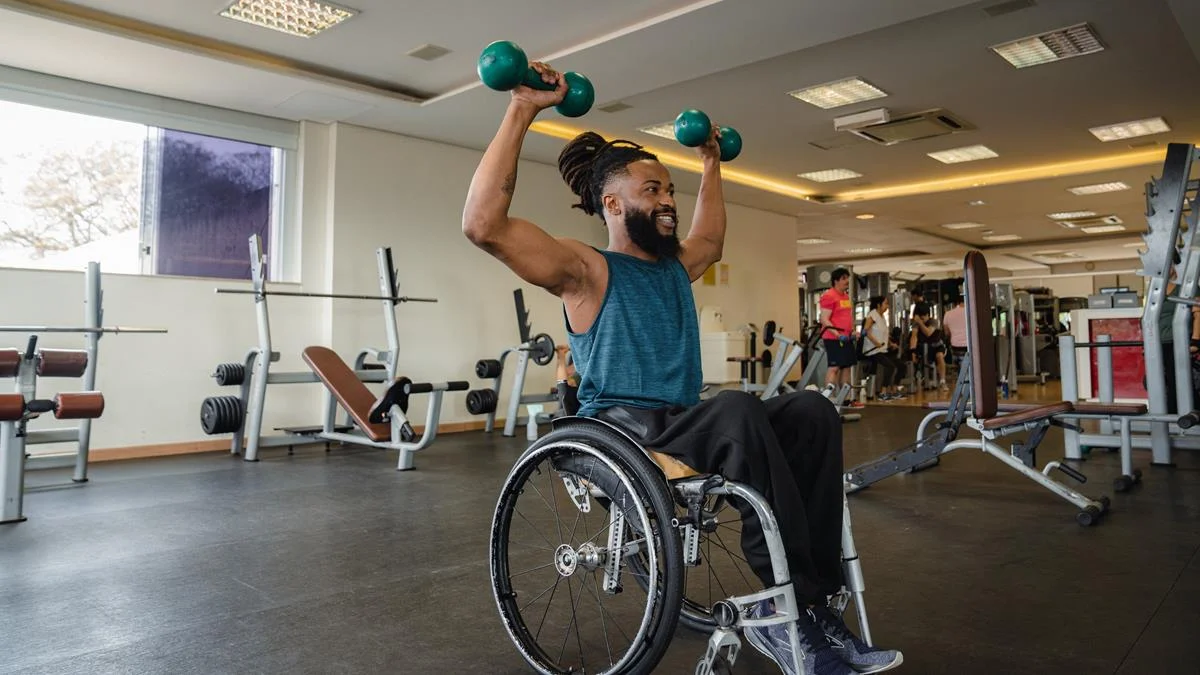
(610, 464)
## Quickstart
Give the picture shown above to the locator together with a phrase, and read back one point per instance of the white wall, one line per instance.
(361, 190)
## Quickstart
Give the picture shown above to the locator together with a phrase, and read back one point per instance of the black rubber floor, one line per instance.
(336, 563)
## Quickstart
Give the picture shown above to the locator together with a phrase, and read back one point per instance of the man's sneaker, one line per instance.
(817, 657)
(862, 657)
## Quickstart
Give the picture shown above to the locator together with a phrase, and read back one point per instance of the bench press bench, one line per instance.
(382, 422)
(974, 403)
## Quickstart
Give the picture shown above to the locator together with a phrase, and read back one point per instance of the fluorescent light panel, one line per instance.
(1055, 45)
(829, 175)
(1098, 188)
(302, 18)
(1134, 129)
(813, 241)
(1102, 229)
(1068, 215)
(968, 153)
(962, 226)
(1002, 237)
(840, 93)
(868, 249)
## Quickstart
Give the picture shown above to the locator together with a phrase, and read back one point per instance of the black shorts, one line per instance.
(840, 353)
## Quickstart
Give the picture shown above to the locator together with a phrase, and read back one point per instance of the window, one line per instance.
(138, 198)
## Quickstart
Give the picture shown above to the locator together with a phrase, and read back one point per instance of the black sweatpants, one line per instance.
(891, 371)
(788, 448)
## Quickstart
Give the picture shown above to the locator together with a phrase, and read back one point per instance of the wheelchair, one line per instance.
(600, 548)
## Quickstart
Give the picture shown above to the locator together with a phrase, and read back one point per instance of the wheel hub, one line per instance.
(566, 560)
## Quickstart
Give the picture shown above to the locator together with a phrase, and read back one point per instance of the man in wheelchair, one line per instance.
(633, 333)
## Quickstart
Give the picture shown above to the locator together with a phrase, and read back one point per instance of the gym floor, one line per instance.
(334, 562)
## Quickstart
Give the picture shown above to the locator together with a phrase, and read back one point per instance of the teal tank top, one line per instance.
(643, 350)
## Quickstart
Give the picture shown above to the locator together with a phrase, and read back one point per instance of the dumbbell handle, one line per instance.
(532, 79)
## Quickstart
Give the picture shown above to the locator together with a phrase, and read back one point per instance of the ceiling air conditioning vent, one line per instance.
(927, 124)
(1077, 223)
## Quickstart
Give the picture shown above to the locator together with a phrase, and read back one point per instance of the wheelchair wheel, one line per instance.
(561, 574)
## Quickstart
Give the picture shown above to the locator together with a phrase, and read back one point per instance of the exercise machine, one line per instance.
(241, 415)
(1160, 430)
(790, 353)
(536, 348)
(92, 329)
(974, 403)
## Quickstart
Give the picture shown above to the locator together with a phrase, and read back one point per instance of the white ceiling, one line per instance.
(734, 59)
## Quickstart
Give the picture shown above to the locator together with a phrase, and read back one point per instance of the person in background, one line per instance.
(837, 324)
(876, 349)
(954, 326)
(926, 342)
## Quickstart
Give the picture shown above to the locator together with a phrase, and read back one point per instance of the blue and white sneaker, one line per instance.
(862, 657)
(818, 657)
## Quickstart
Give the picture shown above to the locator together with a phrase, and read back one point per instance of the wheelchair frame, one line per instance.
(731, 615)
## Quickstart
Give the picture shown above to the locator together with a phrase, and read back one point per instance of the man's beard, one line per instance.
(643, 232)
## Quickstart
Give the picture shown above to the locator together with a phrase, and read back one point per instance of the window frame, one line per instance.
(158, 113)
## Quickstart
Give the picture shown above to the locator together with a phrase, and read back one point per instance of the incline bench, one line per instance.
(976, 389)
(381, 422)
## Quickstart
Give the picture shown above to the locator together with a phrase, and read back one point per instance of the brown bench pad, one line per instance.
(83, 405)
(12, 407)
(1033, 414)
(10, 362)
(349, 390)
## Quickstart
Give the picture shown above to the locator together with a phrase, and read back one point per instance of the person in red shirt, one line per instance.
(837, 329)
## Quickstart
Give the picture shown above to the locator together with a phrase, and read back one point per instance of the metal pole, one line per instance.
(93, 316)
(344, 296)
(1104, 369)
(386, 288)
(1182, 326)
(79, 329)
(12, 472)
(1070, 390)
(514, 399)
(262, 365)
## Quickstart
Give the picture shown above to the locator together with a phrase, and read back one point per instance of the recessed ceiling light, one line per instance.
(868, 249)
(1136, 244)
(1068, 215)
(829, 175)
(1124, 130)
(1055, 45)
(1102, 229)
(1002, 237)
(1098, 188)
(840, 93)
(302, 18)
(865, 216)
(968, 153)
(962, 226)
(664, 130)
(813, 241)
(976, 202)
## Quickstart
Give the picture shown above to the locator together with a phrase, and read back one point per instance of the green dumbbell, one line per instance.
(503, 66)
(692, 128)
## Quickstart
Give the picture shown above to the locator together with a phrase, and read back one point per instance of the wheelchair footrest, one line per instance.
(897, 461)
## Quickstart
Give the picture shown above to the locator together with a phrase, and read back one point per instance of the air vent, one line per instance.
(614, 107)
(927, 124)
(836, 142)
(1076, 223)
(429, 52)
(1008, 7)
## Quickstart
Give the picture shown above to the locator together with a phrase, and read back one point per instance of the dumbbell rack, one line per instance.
(539, 349)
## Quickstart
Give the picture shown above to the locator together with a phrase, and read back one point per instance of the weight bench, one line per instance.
(976, 389)
(382, 421)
